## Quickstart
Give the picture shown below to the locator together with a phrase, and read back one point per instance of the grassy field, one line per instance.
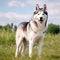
(51, 48)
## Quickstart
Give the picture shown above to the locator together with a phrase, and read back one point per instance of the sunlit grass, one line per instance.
(51, 48)
(7, 38)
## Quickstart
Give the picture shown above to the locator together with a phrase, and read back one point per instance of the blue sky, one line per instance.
(17, 11)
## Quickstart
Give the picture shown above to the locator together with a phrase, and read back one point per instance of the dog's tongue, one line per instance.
(41, 21)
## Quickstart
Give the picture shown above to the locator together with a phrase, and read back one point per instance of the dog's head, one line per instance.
(40, 13)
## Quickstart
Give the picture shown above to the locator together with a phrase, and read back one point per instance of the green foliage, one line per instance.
(8, 27)
(51, 48)
(52, 28)
(7, 38)
(11, 26)
(15, 27)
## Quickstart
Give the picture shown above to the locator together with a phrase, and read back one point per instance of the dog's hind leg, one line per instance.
(21, 48)
(17, 45)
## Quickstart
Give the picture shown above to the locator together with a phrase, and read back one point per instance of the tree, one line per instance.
(8, 27)
(11, 26)
(15, 27)
(52, 28)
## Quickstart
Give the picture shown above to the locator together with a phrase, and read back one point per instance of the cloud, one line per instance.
(14, 15)
(15, 3)
(34, 1)
(52, 8)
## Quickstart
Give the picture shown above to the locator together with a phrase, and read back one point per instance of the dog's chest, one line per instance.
(38, 37)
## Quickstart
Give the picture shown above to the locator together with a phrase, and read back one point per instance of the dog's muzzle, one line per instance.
(41, 19)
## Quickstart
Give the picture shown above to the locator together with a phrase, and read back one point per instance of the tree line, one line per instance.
(52, 28)
(8, 27)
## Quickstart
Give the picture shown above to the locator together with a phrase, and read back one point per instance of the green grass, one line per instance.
(51, 48)
(7, 38)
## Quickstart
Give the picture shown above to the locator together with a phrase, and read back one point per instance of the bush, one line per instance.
(53, 29)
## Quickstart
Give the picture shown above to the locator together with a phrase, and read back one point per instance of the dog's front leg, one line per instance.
(40, 47)
(30, 48)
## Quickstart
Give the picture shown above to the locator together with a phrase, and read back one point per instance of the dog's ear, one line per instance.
(37, 8)
(44, 7)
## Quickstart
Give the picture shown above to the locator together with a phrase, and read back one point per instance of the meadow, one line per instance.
(50, 51)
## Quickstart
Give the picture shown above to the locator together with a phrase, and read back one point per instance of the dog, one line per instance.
(33, 31)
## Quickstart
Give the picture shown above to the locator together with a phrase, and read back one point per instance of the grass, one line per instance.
(51, 48)
(7, 38)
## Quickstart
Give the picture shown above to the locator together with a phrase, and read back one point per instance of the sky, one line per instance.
(17, 11)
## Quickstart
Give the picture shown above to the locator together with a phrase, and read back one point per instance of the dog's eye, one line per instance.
(38, 14)
(43, 14)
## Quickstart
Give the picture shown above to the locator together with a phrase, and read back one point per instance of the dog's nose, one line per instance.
(41, 18)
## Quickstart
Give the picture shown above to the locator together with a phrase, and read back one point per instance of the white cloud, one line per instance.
(15, 3)
(14, 15)
(53, 8)
(35, 1)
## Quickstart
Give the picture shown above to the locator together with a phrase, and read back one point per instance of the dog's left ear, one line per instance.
(44, 7)
(37, 8)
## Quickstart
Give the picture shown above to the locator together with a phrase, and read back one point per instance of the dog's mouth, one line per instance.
(41, 20)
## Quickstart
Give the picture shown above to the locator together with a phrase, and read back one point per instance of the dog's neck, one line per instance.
(36, 26)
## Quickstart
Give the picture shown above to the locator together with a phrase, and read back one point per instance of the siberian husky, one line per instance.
(32, 31)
